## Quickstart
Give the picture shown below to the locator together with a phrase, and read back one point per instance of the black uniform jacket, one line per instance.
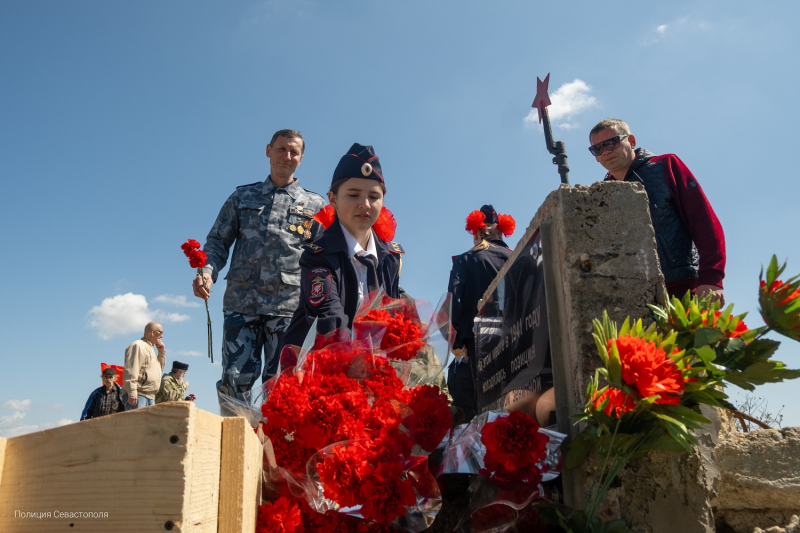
(329, 287)
(471, 275)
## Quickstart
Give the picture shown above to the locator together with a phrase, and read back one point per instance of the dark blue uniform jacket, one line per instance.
(329, 287)
(471, 275)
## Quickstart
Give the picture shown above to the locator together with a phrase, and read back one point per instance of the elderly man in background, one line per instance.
(173, 387)
(142, 375)
(684, 222)
(106, 399)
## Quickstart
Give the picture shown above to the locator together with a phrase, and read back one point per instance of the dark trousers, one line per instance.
(244, 338)
(461, 383)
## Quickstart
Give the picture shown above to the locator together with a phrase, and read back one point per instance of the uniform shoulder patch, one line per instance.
(314, 247)
(318, 285)
(395, 247)
(250, 184)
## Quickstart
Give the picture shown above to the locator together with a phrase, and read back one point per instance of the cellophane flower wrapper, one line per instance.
(336, 399)
(494, 487)
(414, 334)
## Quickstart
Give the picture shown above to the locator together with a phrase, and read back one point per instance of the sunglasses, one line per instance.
(609, 144)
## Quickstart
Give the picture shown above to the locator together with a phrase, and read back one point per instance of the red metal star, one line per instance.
(542, 99)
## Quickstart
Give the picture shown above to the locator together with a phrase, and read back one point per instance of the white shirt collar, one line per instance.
(353, 248)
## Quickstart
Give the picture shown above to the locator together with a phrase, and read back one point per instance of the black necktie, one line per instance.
(371, 262)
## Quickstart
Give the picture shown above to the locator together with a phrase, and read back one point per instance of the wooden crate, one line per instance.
(169, 467)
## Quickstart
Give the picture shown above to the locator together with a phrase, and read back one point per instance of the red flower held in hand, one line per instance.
(401, 340)
(280, 516)
(197, 259)
(190, 245)
(647, 368)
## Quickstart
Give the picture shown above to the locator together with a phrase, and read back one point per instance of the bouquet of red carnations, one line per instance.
(350, 434)
(511, 456)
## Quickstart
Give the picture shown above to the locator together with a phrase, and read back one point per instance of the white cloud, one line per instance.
(126, 313)
(64, 422)
(666, 32)
(19, 430)
(569, 100)
(8, 420)
(170, 317)
(184, 353)
(17, 405)
(176, 300)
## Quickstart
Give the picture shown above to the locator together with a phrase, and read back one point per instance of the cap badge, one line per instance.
(366, 169)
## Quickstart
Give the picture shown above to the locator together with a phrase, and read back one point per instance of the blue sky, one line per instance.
(125, 125)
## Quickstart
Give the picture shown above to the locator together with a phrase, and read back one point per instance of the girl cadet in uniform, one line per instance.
(472, 273)
(355, 255)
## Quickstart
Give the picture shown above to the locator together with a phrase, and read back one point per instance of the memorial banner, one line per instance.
(512, 343)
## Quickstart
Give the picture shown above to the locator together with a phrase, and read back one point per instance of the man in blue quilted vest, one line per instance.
(691, 244)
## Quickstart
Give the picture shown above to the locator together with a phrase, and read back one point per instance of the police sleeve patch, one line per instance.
(318, 285)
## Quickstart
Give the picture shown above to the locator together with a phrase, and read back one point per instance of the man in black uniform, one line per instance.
(471, 275)
(353, 258)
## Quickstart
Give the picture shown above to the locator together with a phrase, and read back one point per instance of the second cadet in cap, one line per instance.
(471, 275)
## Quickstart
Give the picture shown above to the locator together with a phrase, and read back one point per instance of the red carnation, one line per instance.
(401, 340)
(430, 419)
(280, 516)
(506, 224)
(386, 226)
(344, 473)
(647, 367)
(197, 259)
(386, 495)
(618, 403)
(326, 216)
(190, 245)
(476, 221)
(514, 446)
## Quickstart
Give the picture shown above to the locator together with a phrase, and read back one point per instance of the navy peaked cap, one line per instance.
(359, 162)
(491, 214)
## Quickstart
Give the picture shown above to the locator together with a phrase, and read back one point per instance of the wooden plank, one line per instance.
(201, 506)
(132, 471)
(240, 479)
(2, 459)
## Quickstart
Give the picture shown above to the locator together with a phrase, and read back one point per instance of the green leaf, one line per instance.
(614, 365)
(678, 431)
(626, 327)
(706, 354)
(706, 336)
(689, 417)
(761, 372)
(577, 450)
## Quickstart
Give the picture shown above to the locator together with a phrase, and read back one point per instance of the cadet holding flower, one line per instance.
(355, 255)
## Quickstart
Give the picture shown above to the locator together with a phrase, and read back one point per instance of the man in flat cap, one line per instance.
(106, 399)
(266, 223)
(173, 387)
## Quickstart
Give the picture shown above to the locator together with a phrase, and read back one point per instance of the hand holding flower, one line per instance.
(202, 286)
